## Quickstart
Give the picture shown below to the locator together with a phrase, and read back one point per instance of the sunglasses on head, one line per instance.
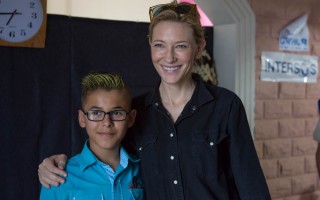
(181, 8)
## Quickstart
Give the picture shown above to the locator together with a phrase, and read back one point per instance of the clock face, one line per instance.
(20, 20)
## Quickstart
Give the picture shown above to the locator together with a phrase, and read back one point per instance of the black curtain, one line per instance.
(40, 91)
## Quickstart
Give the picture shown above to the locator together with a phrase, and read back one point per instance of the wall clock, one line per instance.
(23, 23)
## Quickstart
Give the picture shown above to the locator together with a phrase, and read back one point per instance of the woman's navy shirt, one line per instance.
(208, 153)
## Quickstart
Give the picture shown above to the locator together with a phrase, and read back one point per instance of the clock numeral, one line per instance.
(32, 4)
(23, 32)
(34, 15)
(1, 30)
(12, 34)
(30, 25)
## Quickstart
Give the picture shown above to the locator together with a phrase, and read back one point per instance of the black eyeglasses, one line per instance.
(181, 8)
(99, 115)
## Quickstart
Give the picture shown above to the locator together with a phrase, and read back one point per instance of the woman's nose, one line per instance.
(170, 55)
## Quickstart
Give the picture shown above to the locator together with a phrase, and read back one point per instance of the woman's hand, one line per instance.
(51, 170)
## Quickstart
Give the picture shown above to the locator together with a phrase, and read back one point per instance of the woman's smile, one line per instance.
(171, 68)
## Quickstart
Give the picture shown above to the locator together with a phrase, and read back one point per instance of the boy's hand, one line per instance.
(51, 170)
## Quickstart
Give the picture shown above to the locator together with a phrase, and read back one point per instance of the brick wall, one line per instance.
(286, 113)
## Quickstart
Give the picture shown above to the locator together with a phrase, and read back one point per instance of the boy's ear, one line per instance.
(132, 117)
(81, 118)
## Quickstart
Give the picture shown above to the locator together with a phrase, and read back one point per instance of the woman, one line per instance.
(193, 139)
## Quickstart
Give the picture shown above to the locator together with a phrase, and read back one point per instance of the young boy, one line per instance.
(103, 170)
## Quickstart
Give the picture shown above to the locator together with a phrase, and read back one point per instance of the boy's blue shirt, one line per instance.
(87, 179)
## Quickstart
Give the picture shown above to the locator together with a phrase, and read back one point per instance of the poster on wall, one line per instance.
(285, 67)
(295, 37)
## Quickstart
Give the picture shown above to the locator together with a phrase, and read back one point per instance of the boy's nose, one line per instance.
(107, 121)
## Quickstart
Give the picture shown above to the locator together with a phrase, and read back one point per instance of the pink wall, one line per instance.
(286, 113)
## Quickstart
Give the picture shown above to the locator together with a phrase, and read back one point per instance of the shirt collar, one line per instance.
(88, 158)
(200, 96)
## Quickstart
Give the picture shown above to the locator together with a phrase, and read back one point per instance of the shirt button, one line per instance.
(140, 148)
(175, 182)
(172, 157)
(171, 134)
(194, 108)
(156, 104)
(211, 143)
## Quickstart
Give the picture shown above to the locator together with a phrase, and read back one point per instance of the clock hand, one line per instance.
(12, 14)
(6, 13)
(10, 19)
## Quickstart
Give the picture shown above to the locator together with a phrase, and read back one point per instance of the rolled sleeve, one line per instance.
(316, 133)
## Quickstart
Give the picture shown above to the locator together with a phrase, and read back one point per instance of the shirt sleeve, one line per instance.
(249, 178)
(316, 133)
(54, 193)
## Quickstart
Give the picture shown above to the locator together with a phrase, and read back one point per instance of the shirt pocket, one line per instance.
(146, 149)
(137, 194)
(209, 149)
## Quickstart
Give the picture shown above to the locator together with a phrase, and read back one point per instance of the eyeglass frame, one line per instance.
(106, 113)
(173, 7)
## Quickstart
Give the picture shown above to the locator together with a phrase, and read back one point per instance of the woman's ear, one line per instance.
(82, 119)
(132, 117)
(200, 49)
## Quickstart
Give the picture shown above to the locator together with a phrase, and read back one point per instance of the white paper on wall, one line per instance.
(284, 67)
(295, 37)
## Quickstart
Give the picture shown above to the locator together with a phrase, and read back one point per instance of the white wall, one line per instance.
(225, 51)
(124, 10)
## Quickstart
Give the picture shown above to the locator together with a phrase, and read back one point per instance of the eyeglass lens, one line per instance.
(99, 115)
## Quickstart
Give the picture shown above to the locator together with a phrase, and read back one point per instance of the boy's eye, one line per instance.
(118, 112)
(96, 112)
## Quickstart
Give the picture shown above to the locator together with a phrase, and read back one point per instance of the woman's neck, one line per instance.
(175, 94)
(175, 97)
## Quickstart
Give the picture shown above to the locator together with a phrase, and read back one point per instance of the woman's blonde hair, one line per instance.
(191, 18)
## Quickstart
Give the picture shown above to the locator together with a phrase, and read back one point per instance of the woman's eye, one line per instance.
(181, 46)
(158, 45)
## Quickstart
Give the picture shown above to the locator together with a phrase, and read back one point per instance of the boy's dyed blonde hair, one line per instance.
(102, 80)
